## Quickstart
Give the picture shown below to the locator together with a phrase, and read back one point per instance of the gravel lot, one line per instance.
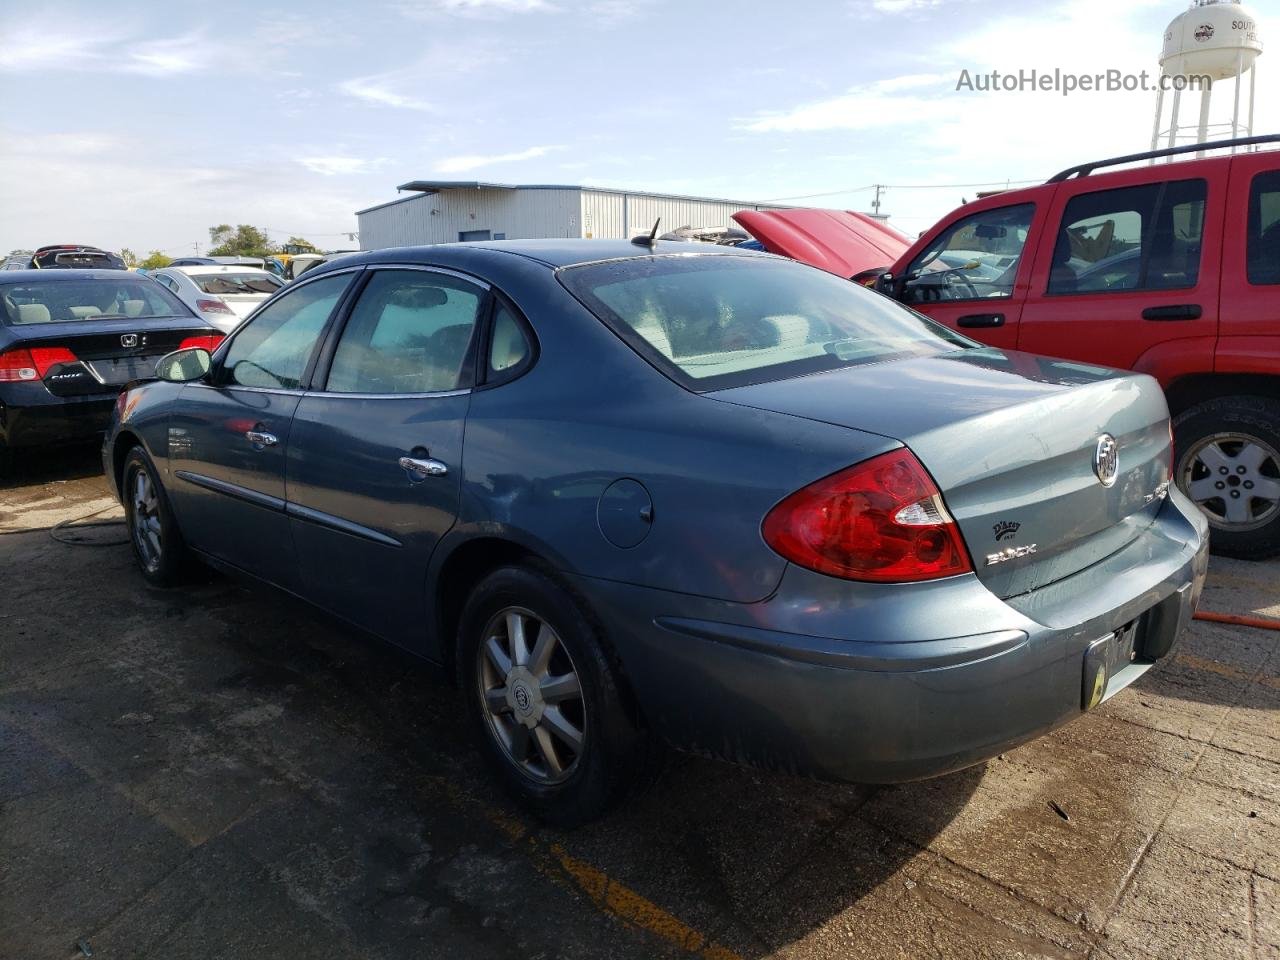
(223, 772)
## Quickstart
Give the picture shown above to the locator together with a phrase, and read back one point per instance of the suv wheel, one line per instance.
(1228, 462)
(157, 545)
(547, 700)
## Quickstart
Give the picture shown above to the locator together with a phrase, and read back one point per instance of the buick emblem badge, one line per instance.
(129, 340)
(1106, 460)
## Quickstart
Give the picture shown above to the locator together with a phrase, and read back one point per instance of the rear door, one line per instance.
(1126, 275)
(1250, 323)
(228, 437)
(973, 276)
(375, 456)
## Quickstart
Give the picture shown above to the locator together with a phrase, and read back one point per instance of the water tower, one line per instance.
(1217, 39)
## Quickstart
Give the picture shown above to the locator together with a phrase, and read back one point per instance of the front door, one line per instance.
(1126, 276)
(375, 456)
(973, 275)
(228, 437)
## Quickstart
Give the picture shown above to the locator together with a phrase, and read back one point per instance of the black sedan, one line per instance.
(69, 342)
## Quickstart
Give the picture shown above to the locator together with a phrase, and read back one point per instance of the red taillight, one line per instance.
(213, 306)
(207, 341)
(882, 520)
(33, 364)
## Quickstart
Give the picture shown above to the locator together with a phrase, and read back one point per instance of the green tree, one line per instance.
(243, 240)
(129, 257)
(155, 260)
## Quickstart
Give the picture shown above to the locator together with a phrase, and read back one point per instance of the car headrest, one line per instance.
(418, 298)
(132, 308)
(33, 313)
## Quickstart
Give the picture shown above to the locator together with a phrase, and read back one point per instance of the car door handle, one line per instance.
(981, 320)
(425, 467)
(261, 439)
(1182, 311)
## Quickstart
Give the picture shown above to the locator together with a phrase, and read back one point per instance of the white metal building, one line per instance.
(445, 211)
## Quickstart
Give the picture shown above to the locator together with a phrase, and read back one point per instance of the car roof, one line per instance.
(215, 268)
(552, 253)
(18, 276)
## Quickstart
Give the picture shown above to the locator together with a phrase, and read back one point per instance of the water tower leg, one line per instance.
(1155, 131)
(1253, 89)
(1206, 96)
(1235, 114)
(1173, 123)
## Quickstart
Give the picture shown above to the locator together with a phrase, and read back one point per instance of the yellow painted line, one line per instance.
(612, 898)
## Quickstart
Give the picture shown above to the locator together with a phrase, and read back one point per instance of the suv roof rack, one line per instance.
(1087, 168)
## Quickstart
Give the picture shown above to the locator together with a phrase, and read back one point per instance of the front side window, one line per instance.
(1146, 237)
(712, 321)
(273, 349)
(1263, 250)
(56, 301)
(410, 332)
(974, 259)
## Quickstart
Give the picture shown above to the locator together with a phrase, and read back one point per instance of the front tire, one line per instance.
(157, 545)
(539, 685)
(1228, 462)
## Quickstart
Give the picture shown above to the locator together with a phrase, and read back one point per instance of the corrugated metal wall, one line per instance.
(441, 217)
(604, 215)
(523, 214)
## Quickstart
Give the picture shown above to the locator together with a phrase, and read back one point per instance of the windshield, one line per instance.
(55, 301)
(718, 321)
(225, 283)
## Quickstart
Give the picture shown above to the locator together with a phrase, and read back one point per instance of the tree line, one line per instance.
(242, 240)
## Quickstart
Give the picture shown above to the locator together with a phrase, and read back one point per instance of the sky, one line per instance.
(142, 125)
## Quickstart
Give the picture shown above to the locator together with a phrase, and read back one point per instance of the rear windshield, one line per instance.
(55, 301)
(222, 283)
(79, 260)
(711, 322)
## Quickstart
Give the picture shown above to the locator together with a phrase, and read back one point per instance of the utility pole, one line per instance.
(875, 204)
(197, 246)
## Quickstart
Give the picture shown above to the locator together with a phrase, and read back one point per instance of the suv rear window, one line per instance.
(1146, 237)
(1264, 228)
(78, 260)
(55, 301)
(715, 321)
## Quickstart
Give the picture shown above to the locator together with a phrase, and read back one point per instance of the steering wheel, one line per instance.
(936, 287)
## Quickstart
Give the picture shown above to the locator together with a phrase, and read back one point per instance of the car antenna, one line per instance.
(647, 241)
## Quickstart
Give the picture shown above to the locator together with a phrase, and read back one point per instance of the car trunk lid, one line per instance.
(110, 352)
(1011, 441)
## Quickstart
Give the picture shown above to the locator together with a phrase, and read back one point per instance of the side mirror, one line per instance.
(185, 366)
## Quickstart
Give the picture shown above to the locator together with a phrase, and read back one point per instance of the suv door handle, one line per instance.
(1182, 311)
(981, 320)
(258, 438)
(424, 468)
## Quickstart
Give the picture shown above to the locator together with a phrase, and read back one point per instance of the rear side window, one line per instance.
(1264, 229)
(508, 348)
(713, 321)
(272, 350)
(410, 332)
(1146, 237)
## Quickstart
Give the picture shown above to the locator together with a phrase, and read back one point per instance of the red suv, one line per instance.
(1170, 268)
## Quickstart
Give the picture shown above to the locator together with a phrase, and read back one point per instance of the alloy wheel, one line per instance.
(1234, 478)
(531, 695)
(146, 520)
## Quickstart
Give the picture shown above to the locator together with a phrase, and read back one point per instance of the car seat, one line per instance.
(1062, 276)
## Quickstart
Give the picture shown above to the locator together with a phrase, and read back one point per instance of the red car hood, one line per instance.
(840, 241)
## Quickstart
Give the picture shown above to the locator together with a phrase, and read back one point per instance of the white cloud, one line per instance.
(380, 89)
(334, 166)
(904, 6)
(33, 49)
(482, 9)
(473, 161)
(865, 107)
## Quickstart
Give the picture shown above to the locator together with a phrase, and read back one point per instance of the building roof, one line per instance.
(422, 188)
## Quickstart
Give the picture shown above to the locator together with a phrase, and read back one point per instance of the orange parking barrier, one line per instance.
(1261, 623)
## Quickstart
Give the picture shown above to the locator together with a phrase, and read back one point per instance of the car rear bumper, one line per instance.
(874, 694)
(30, 416)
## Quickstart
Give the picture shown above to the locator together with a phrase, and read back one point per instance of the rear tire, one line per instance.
(550, 712)
(1228, 463)
(157, 545)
